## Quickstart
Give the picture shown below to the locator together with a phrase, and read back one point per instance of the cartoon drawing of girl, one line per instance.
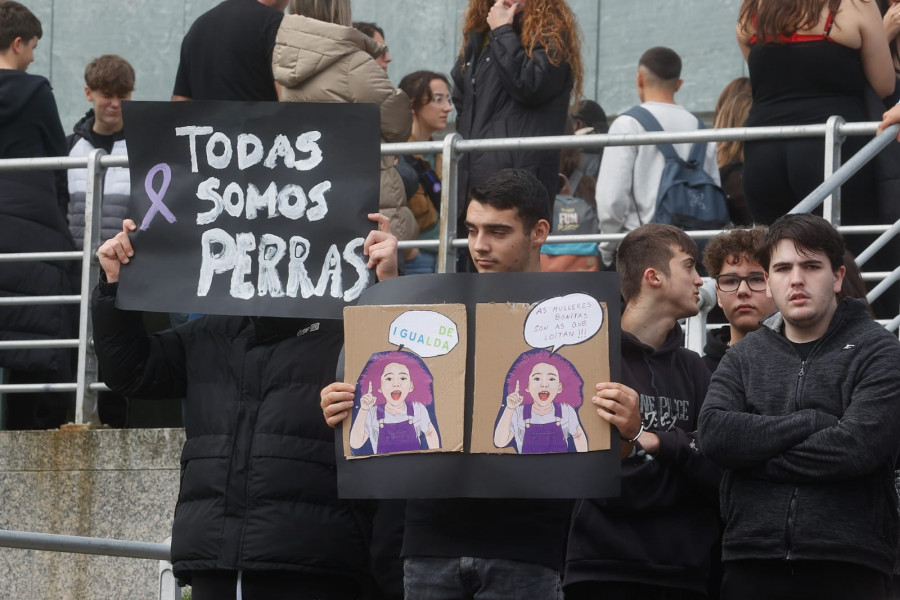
(396, 416)
(545, 418)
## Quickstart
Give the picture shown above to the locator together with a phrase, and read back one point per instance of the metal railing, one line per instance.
(449, 149)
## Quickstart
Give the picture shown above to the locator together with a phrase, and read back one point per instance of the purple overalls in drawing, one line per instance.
(544, 437)
(397, 437)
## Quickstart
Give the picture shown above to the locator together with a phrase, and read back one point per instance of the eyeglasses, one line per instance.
(440, 99)
(730, 283)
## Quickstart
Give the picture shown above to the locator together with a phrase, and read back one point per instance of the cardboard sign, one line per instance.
(250, 208)
(507, 316)
(408, 364)
(540, 403)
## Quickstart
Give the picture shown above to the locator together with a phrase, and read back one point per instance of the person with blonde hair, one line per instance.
(732, 108)
(524, 60)
(320, 57)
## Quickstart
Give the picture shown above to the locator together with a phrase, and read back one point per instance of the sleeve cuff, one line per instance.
(105, 287)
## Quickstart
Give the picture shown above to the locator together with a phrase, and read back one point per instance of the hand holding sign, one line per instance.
(381, 248)
(515, 399)
(116, 251)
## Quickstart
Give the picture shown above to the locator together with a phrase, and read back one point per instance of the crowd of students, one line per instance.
(765, 469)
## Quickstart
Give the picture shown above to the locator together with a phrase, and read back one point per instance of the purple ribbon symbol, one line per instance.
(156, 197)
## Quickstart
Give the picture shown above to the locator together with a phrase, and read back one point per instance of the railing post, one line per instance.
(831, 208)
(168, 585)
(85, 398)
(446, 262)
(695, 327)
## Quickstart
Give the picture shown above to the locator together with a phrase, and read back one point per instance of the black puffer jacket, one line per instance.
(499, 92)
(32, 219)
(258, 483)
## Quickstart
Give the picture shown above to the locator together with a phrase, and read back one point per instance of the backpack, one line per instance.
(572, 216)
(688, 197)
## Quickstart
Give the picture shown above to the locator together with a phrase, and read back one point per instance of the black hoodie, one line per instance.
(32, 219)
(29, 121)
(661, 528)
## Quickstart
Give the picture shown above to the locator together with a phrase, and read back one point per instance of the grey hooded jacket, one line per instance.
(809, 446)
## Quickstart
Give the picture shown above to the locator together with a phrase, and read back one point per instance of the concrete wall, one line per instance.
(421, 34)
(119, 484)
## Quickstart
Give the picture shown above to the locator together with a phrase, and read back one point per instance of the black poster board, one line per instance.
(250, 208)
(463, 475)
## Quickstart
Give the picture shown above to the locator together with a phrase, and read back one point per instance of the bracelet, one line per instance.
(636, 436)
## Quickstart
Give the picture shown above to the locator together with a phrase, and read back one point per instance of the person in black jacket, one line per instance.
(257, 513)
(33, 219)
(519, 63)
(656, 539)
(730, 259)
(802, 415)
(467, 548)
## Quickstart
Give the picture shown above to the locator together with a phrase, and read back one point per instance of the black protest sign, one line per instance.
(250, 208)
(472, 473)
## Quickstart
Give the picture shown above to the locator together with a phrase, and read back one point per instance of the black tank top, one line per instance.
(805, 79)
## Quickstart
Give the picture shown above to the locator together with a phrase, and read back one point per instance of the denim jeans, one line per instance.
(478, 579)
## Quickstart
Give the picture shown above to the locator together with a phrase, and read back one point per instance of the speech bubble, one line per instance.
(425, 332)
(563, 321)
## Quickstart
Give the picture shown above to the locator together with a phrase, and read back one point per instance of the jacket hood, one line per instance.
(16, 90)
(313, 46)
(85, 124)
(672, 342)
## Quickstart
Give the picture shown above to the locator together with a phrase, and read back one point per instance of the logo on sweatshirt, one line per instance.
(849, 347)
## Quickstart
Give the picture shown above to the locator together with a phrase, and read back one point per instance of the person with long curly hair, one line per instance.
(519, 64)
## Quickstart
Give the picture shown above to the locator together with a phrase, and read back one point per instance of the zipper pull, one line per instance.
(802, 368)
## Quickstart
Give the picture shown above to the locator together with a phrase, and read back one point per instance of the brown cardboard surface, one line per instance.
(367, 331)
(499, 342)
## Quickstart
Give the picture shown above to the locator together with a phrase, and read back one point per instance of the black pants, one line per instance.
(780, 173)
(271, 585)
(801, 580)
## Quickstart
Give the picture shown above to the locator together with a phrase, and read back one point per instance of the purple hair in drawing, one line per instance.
(420, 376)
(572, 383)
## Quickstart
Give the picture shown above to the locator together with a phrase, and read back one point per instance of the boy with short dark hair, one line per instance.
(802, 416)
(32, 219)
(468, 548)
(109, 81)
(654, 540)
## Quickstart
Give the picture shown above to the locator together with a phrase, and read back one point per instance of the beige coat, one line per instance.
(315, 61)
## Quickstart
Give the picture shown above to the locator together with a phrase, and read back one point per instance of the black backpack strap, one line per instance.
(649, 123)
